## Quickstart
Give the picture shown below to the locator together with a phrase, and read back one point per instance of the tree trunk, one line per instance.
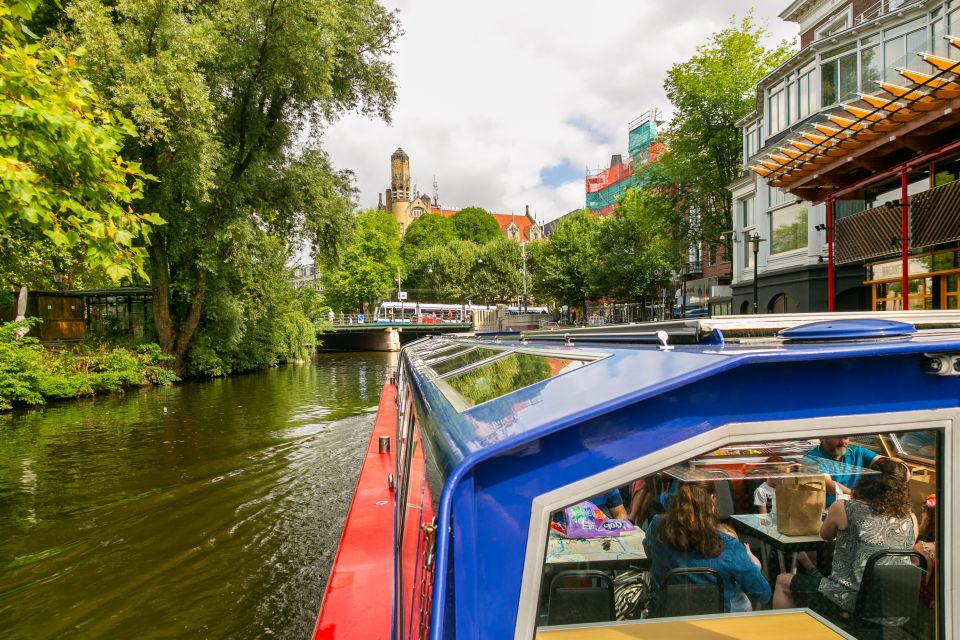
(173, 339)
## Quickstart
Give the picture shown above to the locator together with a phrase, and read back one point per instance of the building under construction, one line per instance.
(605, 186)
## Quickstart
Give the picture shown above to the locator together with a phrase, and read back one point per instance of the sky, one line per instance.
(506, 103)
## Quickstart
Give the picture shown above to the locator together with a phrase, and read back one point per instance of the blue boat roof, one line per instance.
(629, 363)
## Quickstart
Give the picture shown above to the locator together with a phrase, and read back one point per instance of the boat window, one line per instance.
(916, 444)
(874, 443)
(507, 374)
(722, 531)
(446, 352)
(464, 359)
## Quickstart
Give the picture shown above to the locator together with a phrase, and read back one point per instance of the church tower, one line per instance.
(399, 178)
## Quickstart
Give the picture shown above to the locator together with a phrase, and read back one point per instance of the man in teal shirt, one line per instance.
(841, 477)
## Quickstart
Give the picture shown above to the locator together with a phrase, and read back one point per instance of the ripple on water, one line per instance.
(217, 518)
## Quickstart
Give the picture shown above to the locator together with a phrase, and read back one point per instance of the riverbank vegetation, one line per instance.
(31, 374)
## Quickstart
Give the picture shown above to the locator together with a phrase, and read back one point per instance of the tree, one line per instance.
(710, 92)
(230, 99)
(564, 268)
(369, 263)
(432, 230)
(443, 273)
(476, 225)
(496, 278)
(63, 180)
(635, 251)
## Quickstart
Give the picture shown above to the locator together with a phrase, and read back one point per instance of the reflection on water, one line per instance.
(206, 510)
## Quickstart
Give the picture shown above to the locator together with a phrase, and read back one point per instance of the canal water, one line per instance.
(205, 510)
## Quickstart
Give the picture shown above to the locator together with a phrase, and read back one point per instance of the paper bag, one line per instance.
(922, 483)
(800, 503)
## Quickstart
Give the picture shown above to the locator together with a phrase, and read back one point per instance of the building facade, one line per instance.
(603, 187)
(848, 165)
(406, 206)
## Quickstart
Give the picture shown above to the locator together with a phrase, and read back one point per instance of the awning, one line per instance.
(848, 145)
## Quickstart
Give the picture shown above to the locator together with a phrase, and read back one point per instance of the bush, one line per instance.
(31, 374)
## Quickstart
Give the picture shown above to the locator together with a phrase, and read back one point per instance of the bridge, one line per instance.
(350, 334)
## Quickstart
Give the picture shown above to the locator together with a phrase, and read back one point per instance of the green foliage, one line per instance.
(634, 250)
(369, 264)
(431, 230)
(497, 278)
(230, 99)
(443, 273)
(62, 176)
(710, 92)
(255, 319)
(30, 374)
(564, 268)
(500, 377)
(476, 225)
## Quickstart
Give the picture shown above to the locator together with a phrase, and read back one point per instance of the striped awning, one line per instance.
(827, 142)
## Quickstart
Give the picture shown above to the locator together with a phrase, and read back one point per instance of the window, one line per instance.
(806, 98)
(472, 356)
(776, 197)
(834, 27)
(788, 230)
(746, 212)
(838, 80)
(610, 550)
(775, 118)
(869, 67)
(417, 212)
(901, 49)
(507, 374)
(752, 140)
(747, 251)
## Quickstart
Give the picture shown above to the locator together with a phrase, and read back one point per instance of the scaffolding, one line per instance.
(605, 186)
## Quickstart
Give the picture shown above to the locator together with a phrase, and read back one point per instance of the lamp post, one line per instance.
(756, 240)
(683, 290)
(523, 257)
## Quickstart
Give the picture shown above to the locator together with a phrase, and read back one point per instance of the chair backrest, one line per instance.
(890, 591)
(724, 493)
(579, 596)
(689, 598)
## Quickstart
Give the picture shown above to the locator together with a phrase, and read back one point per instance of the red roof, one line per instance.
(523, 221)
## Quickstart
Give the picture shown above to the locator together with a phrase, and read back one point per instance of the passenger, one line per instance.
(740, 602)
(687, 535)
(642, 495)
(927, 545)
(611, 503)
(877, 517)
(765, 496)
(840, 450)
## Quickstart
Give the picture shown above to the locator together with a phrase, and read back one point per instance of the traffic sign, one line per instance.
(360, 318)
(402, 295)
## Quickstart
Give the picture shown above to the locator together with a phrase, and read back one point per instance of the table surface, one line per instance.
(628, 546)
(766, 528)
(792, 624)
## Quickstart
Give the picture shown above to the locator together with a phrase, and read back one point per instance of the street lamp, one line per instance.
(756, 240)
(523, 256)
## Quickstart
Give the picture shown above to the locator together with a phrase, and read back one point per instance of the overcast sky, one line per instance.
(507, 103)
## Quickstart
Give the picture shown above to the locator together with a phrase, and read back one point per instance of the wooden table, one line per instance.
(790, 624)
(765, 529)
(597, 552)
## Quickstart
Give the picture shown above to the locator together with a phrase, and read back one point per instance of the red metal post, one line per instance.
(904, 239)
(831, 294)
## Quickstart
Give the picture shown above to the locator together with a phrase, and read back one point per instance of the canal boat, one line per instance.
(482, 446)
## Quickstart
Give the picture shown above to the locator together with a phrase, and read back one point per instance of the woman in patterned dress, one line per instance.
(877, 517)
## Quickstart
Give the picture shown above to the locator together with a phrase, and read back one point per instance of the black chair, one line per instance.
(578, 596)
(889, 594)
(689, 598)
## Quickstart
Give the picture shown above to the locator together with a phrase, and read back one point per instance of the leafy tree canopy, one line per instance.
(432, 230)
(710, 92)
(635, 251)
(368, 267)
(63, 180)
(230, 99)
(496, 278)
(443, 273)
(476, 225)
(563, 269)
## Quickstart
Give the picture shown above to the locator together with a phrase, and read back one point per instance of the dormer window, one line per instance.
(417, 212)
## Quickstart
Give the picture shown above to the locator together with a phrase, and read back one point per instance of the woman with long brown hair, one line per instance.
(688, 535)
(876, 517)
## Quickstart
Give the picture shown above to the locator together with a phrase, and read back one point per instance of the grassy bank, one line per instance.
(31, 374)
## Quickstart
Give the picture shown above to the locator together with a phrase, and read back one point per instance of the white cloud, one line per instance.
(490, 93)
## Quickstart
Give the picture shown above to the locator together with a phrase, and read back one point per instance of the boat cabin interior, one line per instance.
(793, 476)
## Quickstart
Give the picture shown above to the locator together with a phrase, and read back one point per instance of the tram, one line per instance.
(485, 452)
(390, 311)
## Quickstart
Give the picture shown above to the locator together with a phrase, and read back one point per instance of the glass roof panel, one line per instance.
(507, 374)
(464, 359)
(445, 351)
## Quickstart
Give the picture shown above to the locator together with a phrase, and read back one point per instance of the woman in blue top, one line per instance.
(687, 535)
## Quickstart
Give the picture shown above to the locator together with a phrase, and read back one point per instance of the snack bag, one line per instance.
(586, 520)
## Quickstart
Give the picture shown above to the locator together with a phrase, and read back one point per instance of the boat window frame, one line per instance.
(947, 420)
(460, 404)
